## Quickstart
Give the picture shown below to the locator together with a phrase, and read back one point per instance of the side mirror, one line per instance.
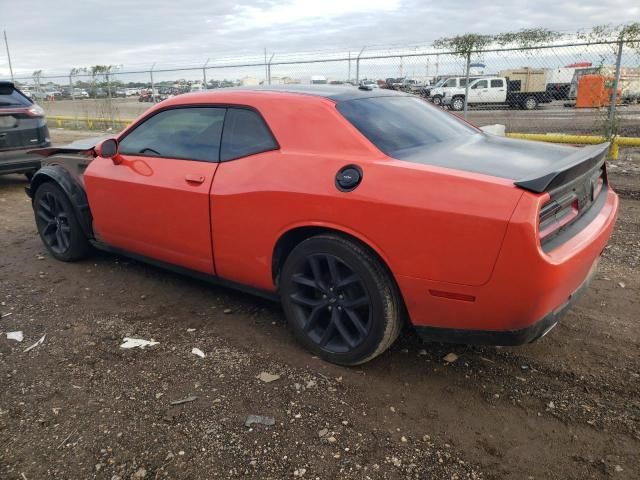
(107, 148)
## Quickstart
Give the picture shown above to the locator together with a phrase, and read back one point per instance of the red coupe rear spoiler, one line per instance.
(566, 170)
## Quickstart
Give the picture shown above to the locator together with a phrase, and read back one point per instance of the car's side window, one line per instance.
(245, 133)
(190, 133)
(497, 83)
(480, 84)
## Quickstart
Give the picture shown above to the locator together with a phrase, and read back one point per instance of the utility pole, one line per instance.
(266, 66)
(358, 66)
(204, 74)
(269, 69)
(466, 85)
(153, 89)
(349, 69)
(611, 123)
(6, 44)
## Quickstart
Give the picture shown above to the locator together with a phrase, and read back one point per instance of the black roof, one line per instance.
(337, 93)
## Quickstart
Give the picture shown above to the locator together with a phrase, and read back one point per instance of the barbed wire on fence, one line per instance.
(608, 57)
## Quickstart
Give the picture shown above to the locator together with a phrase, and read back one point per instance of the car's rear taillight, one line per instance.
(556, 214)
(35, 111)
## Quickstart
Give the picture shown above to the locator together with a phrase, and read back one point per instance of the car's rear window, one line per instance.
(395, 124)
(10, 97)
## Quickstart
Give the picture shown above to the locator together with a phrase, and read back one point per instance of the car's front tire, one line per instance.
(57, 224)
(341, 302)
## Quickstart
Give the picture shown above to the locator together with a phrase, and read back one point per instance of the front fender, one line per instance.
(71, 187)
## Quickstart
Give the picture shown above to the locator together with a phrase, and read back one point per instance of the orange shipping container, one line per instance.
(594, 91)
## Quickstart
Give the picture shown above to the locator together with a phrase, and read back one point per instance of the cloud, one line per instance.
(56, 36)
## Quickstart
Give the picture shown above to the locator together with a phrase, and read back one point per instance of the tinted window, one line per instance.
(480, 84)
(10, 97)
(394, 124)
(450, 83)
(188, 133)
(245, 133)
(496, 84)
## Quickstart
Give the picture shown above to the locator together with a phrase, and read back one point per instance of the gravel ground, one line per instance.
(79, 406)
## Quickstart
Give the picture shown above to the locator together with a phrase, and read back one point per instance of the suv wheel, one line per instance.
(340, 301)
(437, 100)
(57, 224)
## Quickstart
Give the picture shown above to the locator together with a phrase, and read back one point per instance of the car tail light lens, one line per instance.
(557, 213)
(36, 111)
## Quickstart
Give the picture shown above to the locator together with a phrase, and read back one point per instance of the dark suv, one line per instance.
(22, 128)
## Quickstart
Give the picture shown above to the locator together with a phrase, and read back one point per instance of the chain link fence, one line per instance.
(569, 87)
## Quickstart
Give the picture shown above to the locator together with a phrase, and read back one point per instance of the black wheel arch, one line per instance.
(290, 239)
(71, 187)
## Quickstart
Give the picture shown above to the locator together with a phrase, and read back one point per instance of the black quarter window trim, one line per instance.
(226, 106)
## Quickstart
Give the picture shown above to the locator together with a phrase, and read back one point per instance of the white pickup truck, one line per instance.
(521, 89)
(436, 93)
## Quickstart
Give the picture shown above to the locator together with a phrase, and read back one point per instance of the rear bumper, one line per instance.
(19, 161)
(506, 338)
(529, 288)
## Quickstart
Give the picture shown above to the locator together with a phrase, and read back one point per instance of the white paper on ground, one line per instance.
(137, 342)
(198, 352)
(17, 336)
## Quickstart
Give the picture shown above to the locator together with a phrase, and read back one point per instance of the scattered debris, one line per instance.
(251, 419)
(137, 342)
(331, 440)
(17, 336)
(299, 472)
(140, 474)
(551, 405)
(191, 330)
(227, 310)
(6, 314)
(422, 352)
(450, 357)
(35, 344)
(198, 352)
(622, 284)
(323, 432)
(267, 377)
(184, 400)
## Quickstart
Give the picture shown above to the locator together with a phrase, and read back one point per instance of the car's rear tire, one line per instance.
(57, 224)
(341, 302)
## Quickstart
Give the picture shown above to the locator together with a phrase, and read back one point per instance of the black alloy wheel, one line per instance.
(340, 301)
(332, 305)
(57, 224)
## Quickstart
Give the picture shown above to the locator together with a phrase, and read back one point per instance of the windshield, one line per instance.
(440, 82)
(397, 124)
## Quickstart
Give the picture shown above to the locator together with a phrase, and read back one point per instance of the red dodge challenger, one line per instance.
(358, 209)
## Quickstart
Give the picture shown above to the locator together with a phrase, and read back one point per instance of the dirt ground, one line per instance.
(78, 406)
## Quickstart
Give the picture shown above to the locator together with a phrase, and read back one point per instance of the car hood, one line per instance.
(531, 165)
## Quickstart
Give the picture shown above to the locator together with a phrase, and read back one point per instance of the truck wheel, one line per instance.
(457, 104)
(437, 100)
(530, 103)
(340, 301)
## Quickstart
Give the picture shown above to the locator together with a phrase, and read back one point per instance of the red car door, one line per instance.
(152, 198)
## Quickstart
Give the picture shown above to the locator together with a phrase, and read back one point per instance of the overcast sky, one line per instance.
(60, 34)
